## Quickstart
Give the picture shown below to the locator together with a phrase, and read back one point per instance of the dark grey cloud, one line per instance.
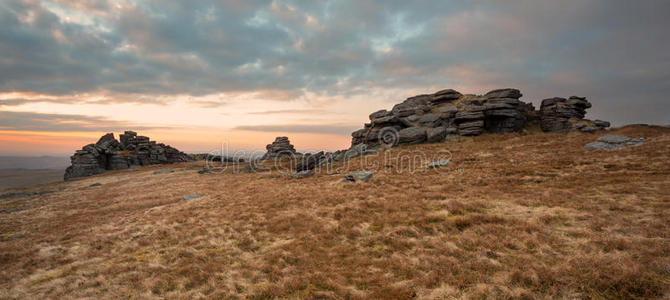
(30, 121)
(300, 128)
(616, 52)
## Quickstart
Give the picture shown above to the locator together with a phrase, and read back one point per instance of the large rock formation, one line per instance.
(431, 118)
(110, 154)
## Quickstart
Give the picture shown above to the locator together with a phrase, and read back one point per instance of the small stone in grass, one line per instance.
(191, 197)
(166, 171)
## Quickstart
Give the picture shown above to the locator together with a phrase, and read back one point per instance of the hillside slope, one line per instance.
(519, 215)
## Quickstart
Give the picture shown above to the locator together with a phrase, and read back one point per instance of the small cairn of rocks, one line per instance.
(110, 154)
(281, 147)
(303, 165)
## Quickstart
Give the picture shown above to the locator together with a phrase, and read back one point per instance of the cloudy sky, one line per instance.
(196, 73)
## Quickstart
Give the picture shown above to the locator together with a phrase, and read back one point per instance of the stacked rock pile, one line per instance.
(281, 147)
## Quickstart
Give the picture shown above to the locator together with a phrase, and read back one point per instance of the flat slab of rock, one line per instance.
(166, 171)
(191, 197)
(412, 135)
(613, 142)
(303, 174)
(439, 163)
(357, 176)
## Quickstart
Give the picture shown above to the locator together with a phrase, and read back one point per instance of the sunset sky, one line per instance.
(194, 74)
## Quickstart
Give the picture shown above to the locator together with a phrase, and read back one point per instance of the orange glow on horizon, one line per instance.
(190, 141)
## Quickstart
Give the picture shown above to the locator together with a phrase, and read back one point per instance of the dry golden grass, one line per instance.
(518, 216)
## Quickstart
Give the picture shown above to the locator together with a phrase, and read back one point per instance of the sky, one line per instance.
(196, 74)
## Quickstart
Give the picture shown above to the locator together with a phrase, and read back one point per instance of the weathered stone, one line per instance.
(302, 174)
(405, 122)
(412, 135)
(355, 151)
(504, 93)
(411, 106)
(191, 197)
(357, 176)
(471, 128)
(430, 120)
(448, 113)
(602, 124)
(444, 96)
(118, 162)
(389, 136)
(379, 114)
(166, 171)
(465, 116)
(507, 113)
(358, 136)
(613, 142)
(435, 135)
(385, 121)
(107, 143)
(205, 171)
(452, 130)
(439, 163)
(311, 161)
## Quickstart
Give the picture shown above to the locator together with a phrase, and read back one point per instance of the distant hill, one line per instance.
(34, 162)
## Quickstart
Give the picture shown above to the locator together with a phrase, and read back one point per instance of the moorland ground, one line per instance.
(515, 216)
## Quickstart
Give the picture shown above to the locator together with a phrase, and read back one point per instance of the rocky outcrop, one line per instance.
(310, 161)
(281, 147)
(564, 115)
(433, 117)
(110, 154)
